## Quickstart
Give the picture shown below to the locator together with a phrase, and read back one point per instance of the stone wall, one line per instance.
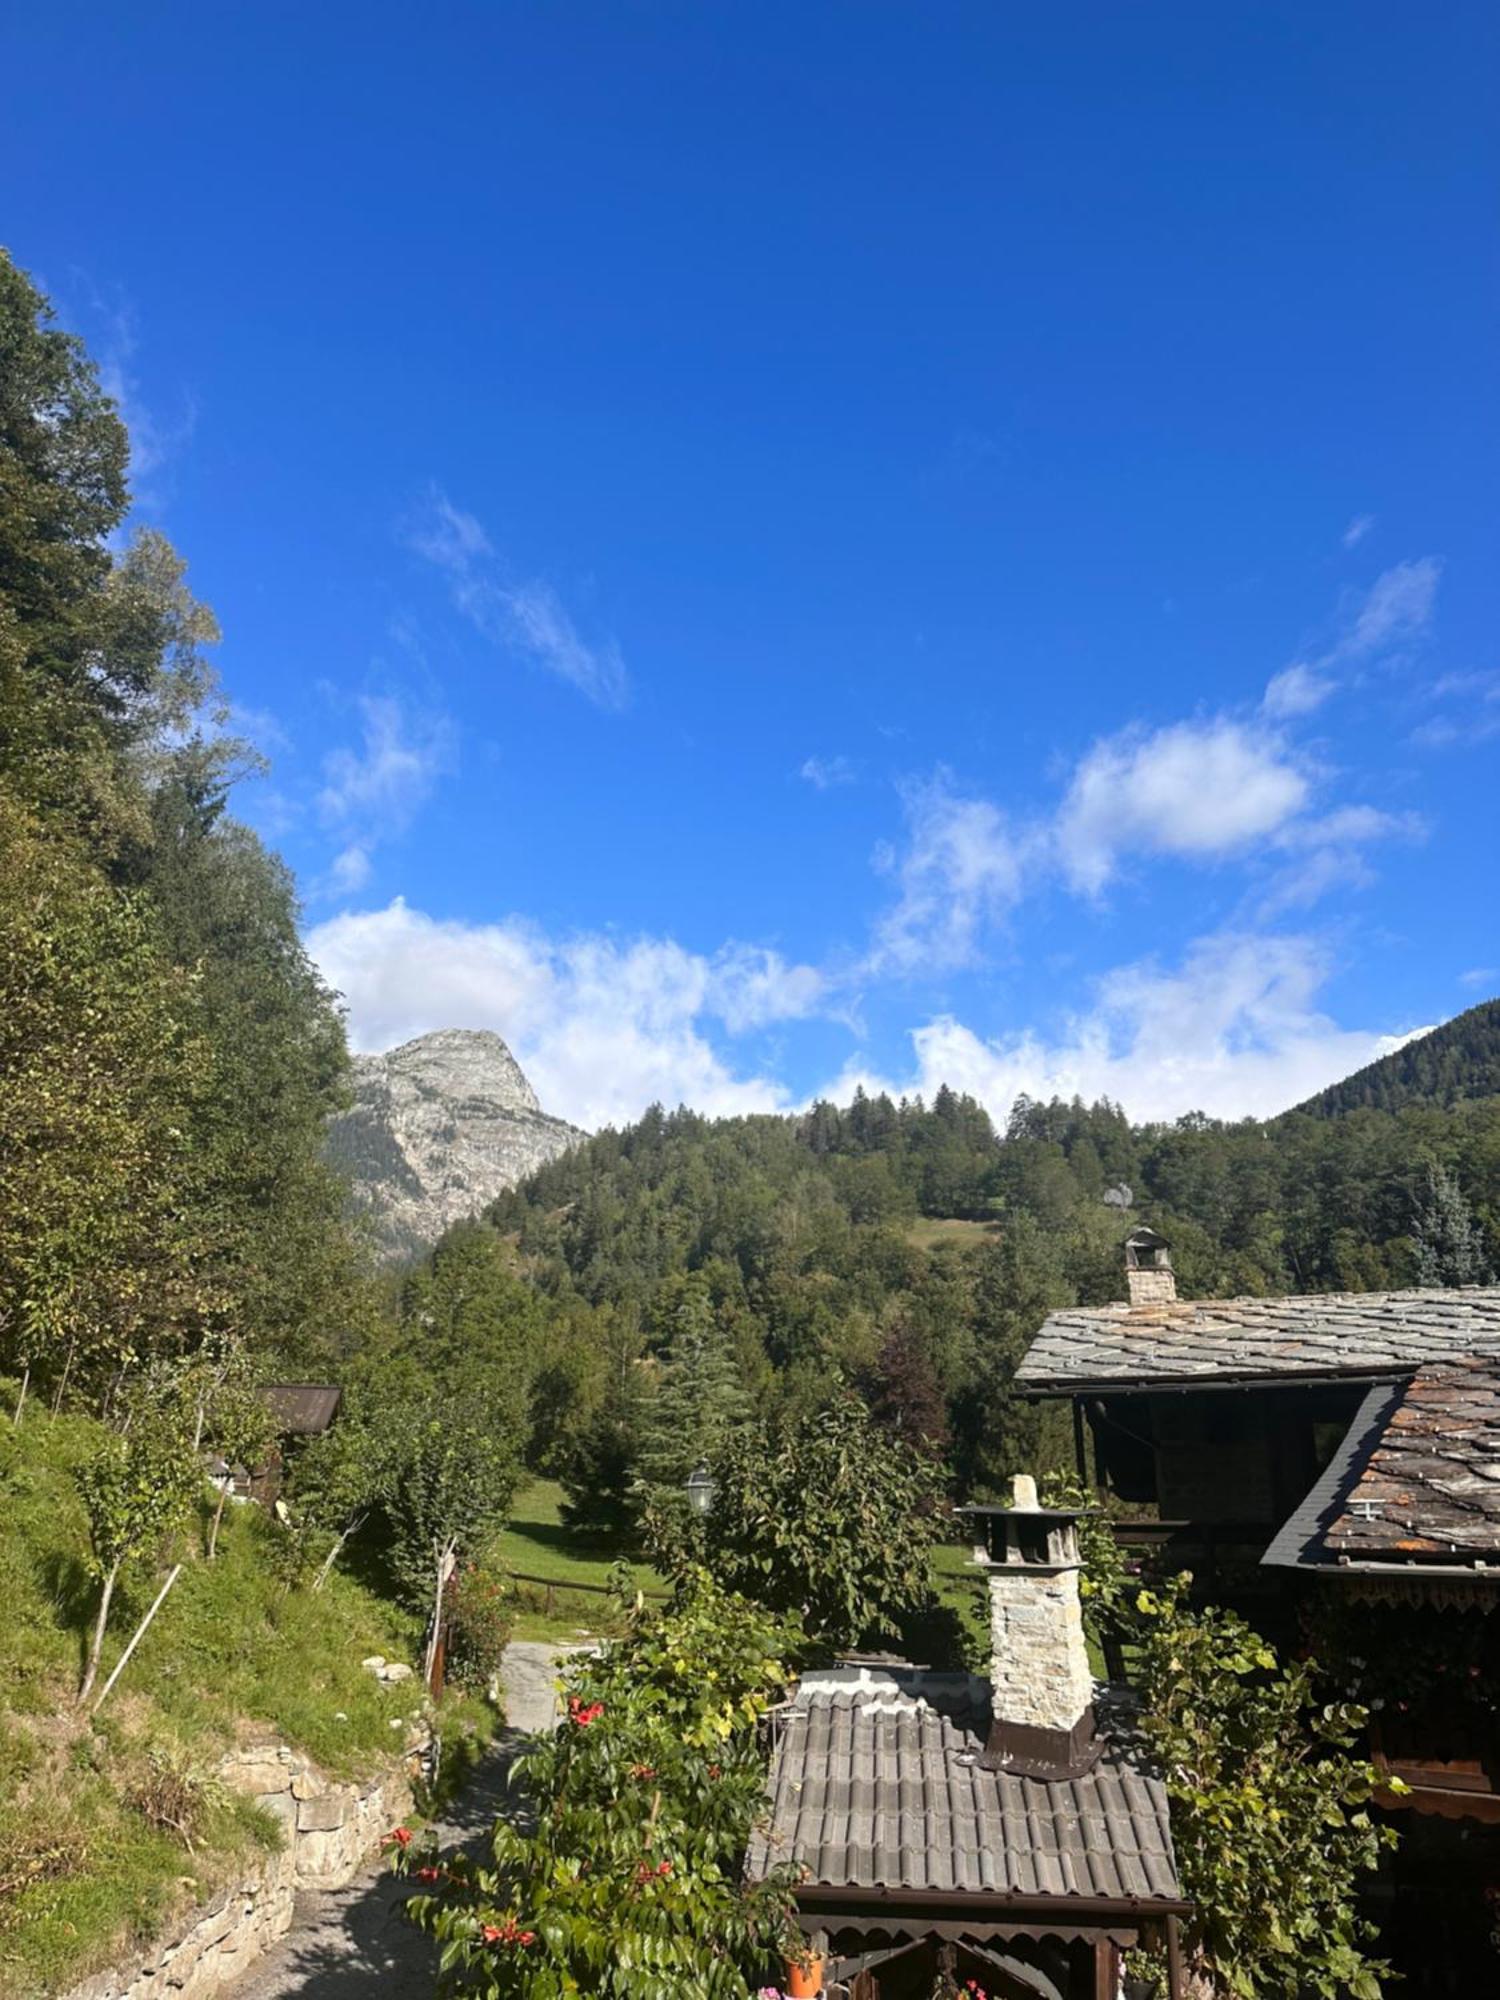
(328, 1831)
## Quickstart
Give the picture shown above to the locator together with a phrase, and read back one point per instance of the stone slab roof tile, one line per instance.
(1260, 1339)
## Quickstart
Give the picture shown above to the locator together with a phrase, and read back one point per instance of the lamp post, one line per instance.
(700, 1490)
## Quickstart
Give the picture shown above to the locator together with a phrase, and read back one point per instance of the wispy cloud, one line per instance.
(1398, 608)
(825, 772)
(1296, 691)
(1328, 852)
(1357, 529)
(374, 788)
(1381, 624)
(525, 617)
(961, 868)
(1469, 705)
(155, 438)
(1480, 976)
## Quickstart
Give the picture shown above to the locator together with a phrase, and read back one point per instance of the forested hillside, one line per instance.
(1457, 1061)
(911, 1251)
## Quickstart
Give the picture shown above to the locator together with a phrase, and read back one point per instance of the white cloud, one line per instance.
(602, 1026)
(962, 869)
(1329, 855)
(1296, 690)
(1357, 529)
(1472, 716)
(826, 772)
(749, 987)
(526, 617)
(1480, 975)
(155, 439)
(1195, 790)
(1234, 1031)
(390, 774)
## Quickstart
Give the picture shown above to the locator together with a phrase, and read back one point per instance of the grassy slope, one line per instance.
(231, 1655)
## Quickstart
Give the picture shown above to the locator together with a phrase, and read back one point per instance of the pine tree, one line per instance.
(699, 1395)
(1449, 1242)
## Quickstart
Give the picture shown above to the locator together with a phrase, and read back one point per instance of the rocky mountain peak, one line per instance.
(438, 1128)
(456, 1062)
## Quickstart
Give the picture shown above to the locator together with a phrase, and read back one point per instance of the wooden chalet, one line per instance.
(1331, 1465)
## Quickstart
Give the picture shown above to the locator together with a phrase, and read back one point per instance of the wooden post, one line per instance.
(1080, 1450)
(1106, 1970)
(138, 1634)
(1174, 1960)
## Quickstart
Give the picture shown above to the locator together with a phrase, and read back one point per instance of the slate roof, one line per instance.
(1416, 1478)
(1320, 1335)
(302, 1409)
(1300, 1542)
(876, 1784)
(1432, 1484)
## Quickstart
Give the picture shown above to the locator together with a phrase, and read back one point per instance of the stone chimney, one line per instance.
(1041, 1685)
(1148, 1269)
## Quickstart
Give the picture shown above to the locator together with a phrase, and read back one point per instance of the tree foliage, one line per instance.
(168, 1054)
(1271, 1816)
(832, 1519)
(136, 1491)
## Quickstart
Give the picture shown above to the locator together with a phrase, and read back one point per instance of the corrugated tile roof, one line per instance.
(1260, 1339)
(876, 1783)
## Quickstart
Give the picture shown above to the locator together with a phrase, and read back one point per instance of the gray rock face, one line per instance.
(438, 1128)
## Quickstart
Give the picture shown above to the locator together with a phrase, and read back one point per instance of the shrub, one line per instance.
(480, 1607)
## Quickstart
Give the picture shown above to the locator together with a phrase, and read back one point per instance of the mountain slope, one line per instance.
(438, 1128)
(1457, 1061)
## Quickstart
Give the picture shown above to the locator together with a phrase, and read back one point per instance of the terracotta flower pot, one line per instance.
(804, 1979)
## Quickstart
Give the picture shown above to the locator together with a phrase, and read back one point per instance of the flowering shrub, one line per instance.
(629, 1886)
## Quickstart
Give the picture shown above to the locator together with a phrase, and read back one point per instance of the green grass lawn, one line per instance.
(562, 1577)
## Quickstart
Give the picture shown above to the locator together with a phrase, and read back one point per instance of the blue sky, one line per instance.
(777, 545)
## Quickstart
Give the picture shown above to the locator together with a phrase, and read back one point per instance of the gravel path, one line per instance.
(351, 1943)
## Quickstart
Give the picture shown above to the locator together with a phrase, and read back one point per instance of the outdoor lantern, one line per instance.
(700, 1490)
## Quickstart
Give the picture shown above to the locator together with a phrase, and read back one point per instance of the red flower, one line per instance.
(508, 1932)
(643, 1770)
(429, 1874)
(583, 1713)
(401, 1835)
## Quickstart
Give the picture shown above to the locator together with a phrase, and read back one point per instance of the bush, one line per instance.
(479, 1604)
